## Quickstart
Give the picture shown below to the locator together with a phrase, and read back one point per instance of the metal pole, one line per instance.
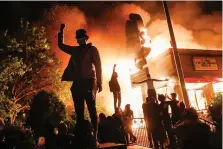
(176, 56)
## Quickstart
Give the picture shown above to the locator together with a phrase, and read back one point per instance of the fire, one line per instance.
(157, 45)
(196, 96)
(110, 40)
(145, 38)
(132, 96)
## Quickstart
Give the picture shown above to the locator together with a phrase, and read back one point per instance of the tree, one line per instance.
(46, 108)
(215, 109)
(215, 114)
(26, 67)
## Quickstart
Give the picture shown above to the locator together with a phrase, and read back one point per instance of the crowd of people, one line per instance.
(182, 128)
(158, 119)
(116, 128)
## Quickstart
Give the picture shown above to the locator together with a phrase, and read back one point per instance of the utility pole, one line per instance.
(176, 56)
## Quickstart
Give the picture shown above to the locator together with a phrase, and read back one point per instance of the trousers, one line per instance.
(117, 98)
(85, 90)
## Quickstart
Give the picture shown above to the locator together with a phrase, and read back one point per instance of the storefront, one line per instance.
(202, 73)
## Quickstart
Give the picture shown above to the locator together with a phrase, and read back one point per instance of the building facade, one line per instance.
(202, 71)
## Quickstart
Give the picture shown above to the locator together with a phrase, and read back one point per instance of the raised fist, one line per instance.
(62, 26)
(99, 88)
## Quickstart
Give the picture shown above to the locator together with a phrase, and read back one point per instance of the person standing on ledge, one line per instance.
(115, 88)
(84, 70)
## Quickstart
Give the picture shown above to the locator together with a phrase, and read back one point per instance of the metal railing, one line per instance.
(204, 118)
(140, 131)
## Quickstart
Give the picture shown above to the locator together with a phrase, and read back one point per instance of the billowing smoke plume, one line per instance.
(192, 30)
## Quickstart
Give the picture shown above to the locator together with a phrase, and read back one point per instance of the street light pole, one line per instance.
(176, 56)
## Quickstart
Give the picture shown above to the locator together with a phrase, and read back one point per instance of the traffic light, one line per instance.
(132, 29)
(136, 39)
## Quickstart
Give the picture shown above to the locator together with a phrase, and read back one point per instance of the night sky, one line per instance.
(11, 12)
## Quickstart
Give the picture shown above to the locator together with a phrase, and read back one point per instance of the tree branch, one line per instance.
(43, 67)
(30, 92)
(14, 113)
(23, 108)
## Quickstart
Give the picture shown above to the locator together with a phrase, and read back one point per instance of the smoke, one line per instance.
(191, 26)
(192, 30)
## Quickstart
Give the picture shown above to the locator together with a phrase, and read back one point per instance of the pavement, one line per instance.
(120, 146)
(137, 147)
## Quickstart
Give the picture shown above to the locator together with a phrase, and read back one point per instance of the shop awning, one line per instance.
(203, 79)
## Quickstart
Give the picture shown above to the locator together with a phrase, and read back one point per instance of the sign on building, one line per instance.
(205, 63)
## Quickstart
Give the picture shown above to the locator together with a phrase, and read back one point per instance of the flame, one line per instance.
(195, 94)
(110, 40)
(158, 45)
(132, 96)
(145, 37)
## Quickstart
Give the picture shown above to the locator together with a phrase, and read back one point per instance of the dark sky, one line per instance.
(11, 12)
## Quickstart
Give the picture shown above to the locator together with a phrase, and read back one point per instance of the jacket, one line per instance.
(84, 63)
(114, 85)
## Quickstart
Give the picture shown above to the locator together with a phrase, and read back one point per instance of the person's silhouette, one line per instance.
(115, 88)
(84, 70)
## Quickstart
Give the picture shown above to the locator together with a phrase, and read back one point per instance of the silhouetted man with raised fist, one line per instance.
(84, 70)
(115, 88)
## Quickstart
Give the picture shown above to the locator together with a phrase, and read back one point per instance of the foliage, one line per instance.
(46, 108)
(86, 113)
(70, 121)
(215, 108)
(27, 66)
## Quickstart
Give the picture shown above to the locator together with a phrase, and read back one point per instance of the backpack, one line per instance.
(111, 86)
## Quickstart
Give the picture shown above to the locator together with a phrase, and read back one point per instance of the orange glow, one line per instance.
(196, 96)
(138, 123)
(129, 95)
(41, 141)
(146, 37)
(157, 46)
(110, 41)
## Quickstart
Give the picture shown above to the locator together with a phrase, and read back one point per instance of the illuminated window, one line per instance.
(192, 98)
(196, 95)
(218, 87)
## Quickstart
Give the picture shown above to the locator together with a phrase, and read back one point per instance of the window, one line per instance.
(218, 87)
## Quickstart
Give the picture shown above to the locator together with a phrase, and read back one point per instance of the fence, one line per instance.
(204, 118)
(140, 131)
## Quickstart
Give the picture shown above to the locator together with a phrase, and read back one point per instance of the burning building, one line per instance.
(108, 34)
(202, 71)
